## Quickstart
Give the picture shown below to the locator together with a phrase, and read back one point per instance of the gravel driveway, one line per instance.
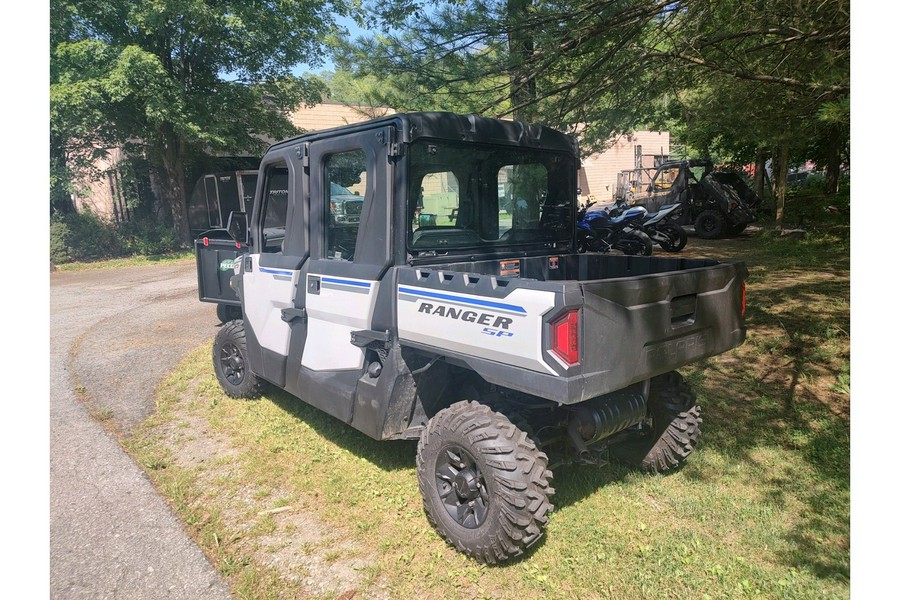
(114, 334)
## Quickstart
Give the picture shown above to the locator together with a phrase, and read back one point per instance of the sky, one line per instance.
(353, 30)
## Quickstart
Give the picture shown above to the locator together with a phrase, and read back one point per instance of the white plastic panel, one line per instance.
(507, 330)
(266, 292)
(343, 305)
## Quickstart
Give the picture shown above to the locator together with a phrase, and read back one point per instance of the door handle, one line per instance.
(313, 284)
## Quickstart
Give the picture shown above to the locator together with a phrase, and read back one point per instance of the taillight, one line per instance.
(564, 337)
(743, 298)
(206, 241)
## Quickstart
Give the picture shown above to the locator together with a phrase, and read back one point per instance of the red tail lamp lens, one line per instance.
(564, 332)
(743, 298)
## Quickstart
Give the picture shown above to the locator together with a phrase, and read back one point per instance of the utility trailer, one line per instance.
(479, 331)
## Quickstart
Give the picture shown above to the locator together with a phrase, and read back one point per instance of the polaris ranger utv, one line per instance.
(445, 315)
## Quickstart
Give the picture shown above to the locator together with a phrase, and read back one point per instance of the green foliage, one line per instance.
(147, 238)
(175, 79)
(83, 236)
(722, 84)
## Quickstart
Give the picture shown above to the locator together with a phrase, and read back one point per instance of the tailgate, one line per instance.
(638, 327)
(215, 266)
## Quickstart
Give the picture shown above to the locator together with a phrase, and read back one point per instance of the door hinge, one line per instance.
(364, 337)
(291, 314)
(303, 154)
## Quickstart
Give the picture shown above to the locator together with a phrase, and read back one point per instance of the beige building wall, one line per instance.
(100, 195)
(598, 175)
(332, 114)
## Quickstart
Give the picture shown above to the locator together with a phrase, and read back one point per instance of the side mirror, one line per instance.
(237, 226)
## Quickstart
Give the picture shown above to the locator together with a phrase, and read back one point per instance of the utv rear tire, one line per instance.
(231, 364)
(485, 486)
(228, 312)
(673, 430)
(710, 224)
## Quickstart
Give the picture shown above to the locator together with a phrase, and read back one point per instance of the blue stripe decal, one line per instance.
(463, 300)
(346, 282)
(276, 271)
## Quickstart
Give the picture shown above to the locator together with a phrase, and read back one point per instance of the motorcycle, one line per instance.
(670, 236)
(598, 231)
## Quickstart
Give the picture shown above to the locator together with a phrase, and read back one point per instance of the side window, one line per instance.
(274, 205)
(666, 178)
(346, 190)
(438, 201)
(522, 192)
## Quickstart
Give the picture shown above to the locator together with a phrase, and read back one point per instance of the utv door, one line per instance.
(273, 312)
(348, 259)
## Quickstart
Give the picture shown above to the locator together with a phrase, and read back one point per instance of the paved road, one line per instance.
(116, 333)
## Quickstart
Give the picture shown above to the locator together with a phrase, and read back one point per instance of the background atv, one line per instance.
(714, 203)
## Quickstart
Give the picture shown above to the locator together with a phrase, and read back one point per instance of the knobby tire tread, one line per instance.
(516, 475)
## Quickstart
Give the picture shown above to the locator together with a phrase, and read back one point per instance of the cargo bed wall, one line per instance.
(575, 267)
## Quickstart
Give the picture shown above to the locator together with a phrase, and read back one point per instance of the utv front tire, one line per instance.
(710, 224)
(228, 312)
(485, 485)
(672, 430)
(231, 364)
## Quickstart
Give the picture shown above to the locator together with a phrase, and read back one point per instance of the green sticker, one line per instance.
(227, 265)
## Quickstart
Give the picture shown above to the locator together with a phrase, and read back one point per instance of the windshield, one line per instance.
(471, 197)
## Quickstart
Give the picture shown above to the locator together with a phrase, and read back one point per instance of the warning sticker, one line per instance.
(509, 268)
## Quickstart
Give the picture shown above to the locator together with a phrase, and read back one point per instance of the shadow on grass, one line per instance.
(388, 455)
(770, 395)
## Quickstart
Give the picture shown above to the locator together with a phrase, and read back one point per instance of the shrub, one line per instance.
(82, 236)
(148, 238)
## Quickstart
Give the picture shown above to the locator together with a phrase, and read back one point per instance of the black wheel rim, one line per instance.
(460, 485)
(232, 363)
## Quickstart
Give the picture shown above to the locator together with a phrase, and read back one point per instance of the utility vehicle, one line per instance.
(709, 199)
(480, 331)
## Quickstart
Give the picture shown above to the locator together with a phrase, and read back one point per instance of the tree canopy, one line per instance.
(734, 72)
(172, 79)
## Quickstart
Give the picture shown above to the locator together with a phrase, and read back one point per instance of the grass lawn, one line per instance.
(290, 503)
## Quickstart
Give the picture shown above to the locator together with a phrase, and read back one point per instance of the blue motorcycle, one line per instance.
(598, 231)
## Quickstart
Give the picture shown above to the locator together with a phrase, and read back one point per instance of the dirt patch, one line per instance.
(272, 527)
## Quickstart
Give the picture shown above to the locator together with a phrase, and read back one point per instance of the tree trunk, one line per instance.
(779, 176)
(523, 89)
(759, 173)
(172, 188)
(833, 167)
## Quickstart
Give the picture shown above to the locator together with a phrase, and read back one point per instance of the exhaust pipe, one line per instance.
(605, 416)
